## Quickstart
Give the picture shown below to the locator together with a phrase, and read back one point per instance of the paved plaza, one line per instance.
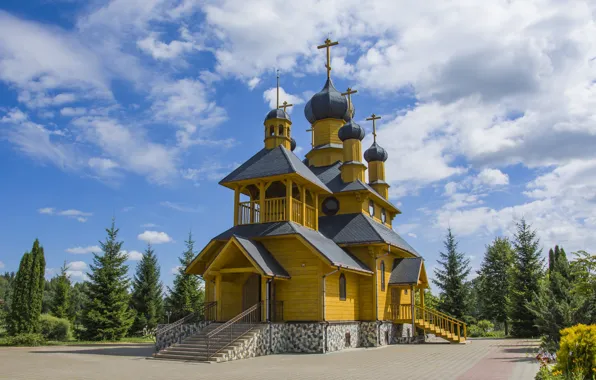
(479, 359)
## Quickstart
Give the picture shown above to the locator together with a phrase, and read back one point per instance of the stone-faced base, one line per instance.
(164, 340)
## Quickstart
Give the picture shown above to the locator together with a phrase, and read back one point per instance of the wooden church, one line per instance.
(311, 263)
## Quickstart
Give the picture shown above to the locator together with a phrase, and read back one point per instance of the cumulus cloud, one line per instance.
(79, 250)
(270, 96)
(133, 255)
(155, 237)
(78, 215)
(492, 177)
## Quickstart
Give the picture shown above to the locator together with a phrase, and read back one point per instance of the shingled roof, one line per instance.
(272, 162)
(336, 255)
(361, 229)
(406, 271)
(331, 176)
(262, 257)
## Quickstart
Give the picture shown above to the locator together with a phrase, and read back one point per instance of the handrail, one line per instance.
(453, 325)
(201, 311)
(223, 336)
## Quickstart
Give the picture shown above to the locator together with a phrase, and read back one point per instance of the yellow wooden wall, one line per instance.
(301, 295)
(231, 295)
(336, 309)
(366, 285)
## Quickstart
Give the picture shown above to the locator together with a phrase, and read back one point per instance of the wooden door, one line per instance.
(395, 302)
(251, 291)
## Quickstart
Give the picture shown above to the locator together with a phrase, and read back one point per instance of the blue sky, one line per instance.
(135, 109)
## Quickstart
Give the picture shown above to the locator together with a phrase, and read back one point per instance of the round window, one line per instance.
(371, 208)
(330, 206)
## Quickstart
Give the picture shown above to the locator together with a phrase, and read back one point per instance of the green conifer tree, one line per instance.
(495, 279)
(60, 303)
(187, 293)
(107, 315)
(37, 284)
(451, 279)
(147, 293)
(526, 284)
(18, 318)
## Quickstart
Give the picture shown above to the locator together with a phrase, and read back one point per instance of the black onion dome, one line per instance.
(292, 144)
(326, 104)
(351, 130)
(375, 153)
(277, 114)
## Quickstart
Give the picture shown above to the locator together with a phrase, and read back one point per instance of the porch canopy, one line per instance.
(409, 272)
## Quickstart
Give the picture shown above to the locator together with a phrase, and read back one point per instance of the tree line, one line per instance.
(108, 305)
(515, 289)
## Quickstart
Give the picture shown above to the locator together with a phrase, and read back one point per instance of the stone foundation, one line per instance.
(176, 334)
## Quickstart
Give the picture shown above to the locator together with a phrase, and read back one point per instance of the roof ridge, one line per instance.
(285, 153)
(370, 222)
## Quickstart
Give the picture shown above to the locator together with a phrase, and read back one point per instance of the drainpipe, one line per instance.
(268, 312)
(325, 329)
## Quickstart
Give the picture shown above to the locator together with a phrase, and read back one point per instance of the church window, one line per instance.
(281, 130)
(272, 131)
(382, 276)
(330, 206)
(383, 215)
(342, 287)
(371, 208)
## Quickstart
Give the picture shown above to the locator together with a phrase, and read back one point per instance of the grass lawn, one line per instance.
(128, 340)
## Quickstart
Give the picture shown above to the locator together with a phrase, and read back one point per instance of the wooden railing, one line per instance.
(455, 327)
(232, 330)
(309, 221)
(275, 210)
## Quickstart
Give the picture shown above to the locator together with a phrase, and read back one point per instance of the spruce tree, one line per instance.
(526, 284)
(19, 315)
(187, 294)
(37, 285)
(451, 279)
(60, 303)
(147, 293)
(495, 281)
(108, 316)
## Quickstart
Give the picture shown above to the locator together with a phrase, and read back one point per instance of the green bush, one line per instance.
(53, 328)
(577, 352)
(485, 329)
(28, 340)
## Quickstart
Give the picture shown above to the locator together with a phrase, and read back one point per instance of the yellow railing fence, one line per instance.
(310, 217)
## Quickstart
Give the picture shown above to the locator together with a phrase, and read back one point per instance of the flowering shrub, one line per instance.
(576, 357)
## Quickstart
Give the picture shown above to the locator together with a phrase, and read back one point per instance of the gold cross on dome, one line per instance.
(327, 46)
(374, 117)
(285, 105)
(349, 93)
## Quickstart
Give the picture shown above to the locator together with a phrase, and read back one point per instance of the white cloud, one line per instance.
(176, 269)
(46, 210)
(411, 234)
(253, 82)
(164, 51)
(80, 216)
(492, 177)
(155, 237)
(77, 265)
(70, 111)
(1, 265)
(133, 255)
(79, 250)
(181, 207)
(270, 96)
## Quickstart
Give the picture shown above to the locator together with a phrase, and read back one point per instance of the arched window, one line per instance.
(281, 130)
(272, 131)
(383, 215)
(382, 269)
(371, 208)
(342, 287)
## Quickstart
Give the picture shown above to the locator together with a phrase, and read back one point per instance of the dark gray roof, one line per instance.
(336, 255)
(277, 114)
(359, 229)
(327, 103)
(406, 271)
(350, 130)
(267, 163)
(331, 176)
(262, 257)
(375, 153)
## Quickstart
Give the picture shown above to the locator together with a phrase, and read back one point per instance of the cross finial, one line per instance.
(277, 98)
(374, 117)
(349, 93)
(312, 136)
(285, 105)
(327, 46)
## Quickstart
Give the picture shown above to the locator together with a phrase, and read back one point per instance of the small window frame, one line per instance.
(271, 130)
(342, 287)
(382, 270)
(383, 215)
(281, 130)
(371, 208)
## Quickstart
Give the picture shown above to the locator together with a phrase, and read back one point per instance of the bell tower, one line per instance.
(278, 125)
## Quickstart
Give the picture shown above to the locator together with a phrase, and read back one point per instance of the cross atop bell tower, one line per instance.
(327, 45)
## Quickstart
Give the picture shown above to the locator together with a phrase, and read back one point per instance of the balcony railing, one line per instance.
(275, 210)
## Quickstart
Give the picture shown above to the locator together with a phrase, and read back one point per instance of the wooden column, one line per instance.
(317, 211)
(262, 217)
(421, 290)
(252, 209)
(412, 289)
(218, 296)
(289, 200)
(303, 199)
(236, 204)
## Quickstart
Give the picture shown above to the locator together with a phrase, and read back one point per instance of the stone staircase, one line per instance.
(195, 347)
